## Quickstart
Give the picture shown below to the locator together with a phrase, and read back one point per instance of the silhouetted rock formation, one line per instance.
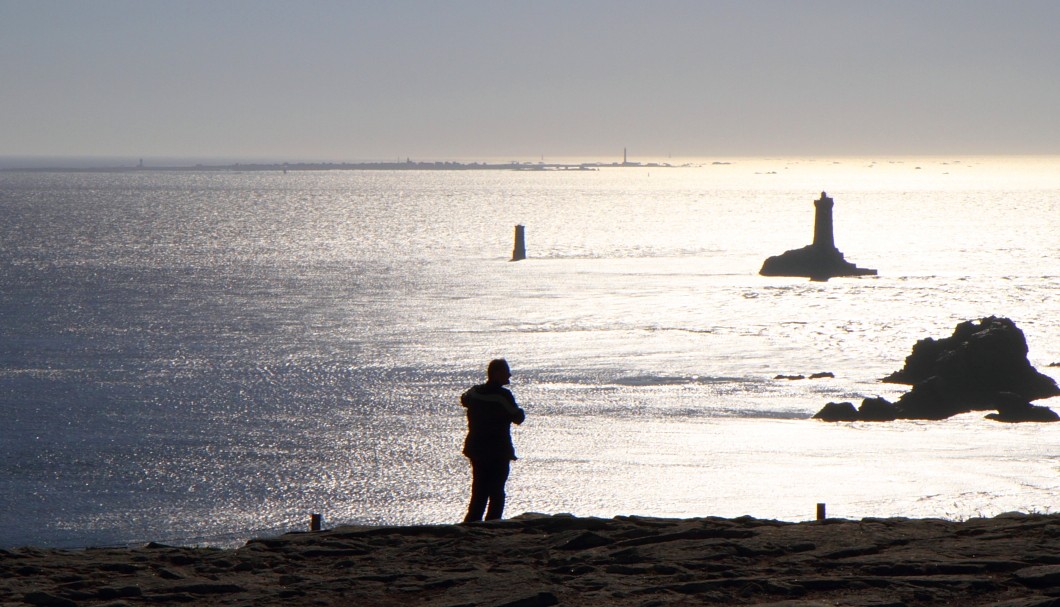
(877, 410)
(821, 375)
(820, 260)
(1015, 408)
(871, 410)
(838, 412)
(982, 366)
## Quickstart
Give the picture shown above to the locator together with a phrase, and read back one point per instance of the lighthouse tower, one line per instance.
(820, 260)
(822, 223)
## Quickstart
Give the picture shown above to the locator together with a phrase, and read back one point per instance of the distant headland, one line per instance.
(407, 165)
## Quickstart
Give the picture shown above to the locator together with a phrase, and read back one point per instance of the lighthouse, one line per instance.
(822, 223)
(820, 260)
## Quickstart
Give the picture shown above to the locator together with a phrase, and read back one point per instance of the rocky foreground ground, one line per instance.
(535, 560)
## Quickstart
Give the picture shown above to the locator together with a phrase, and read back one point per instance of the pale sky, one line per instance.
(435, 80)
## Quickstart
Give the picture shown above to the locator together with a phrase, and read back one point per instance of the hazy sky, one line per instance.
(358, 80)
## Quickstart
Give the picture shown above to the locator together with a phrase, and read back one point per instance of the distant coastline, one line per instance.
(407, 165)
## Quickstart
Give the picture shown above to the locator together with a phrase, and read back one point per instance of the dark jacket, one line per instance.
(491, 410)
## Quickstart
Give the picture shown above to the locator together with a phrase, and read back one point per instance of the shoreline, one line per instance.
(536, 560)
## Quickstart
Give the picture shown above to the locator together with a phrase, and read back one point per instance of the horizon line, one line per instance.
(10, 162)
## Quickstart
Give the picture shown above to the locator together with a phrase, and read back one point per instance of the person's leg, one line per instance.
(479, 492)
(498, 477)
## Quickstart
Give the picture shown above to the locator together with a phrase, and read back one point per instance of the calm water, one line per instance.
(197, 357)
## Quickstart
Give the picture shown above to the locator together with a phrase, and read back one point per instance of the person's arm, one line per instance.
(517, 414)
(505, 400)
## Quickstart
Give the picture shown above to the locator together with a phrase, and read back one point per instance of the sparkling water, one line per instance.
(200, 357)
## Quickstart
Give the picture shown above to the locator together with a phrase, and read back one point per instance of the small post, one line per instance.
(314, 522)
(519, 251)
(821, 512)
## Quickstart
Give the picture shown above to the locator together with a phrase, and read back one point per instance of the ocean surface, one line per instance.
(204, 357)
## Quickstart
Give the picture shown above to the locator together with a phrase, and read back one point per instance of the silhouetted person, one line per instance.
(491, 411)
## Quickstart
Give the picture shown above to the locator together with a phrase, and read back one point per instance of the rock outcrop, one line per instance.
(539, 560)
(983, 366)
(820, 260)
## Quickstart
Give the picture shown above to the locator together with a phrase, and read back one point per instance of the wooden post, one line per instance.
(519, 250)
(314, 522)
(820, 512)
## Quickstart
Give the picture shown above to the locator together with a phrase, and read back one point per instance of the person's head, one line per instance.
(498, 372)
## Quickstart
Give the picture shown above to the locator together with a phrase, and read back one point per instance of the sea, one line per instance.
(200, 357)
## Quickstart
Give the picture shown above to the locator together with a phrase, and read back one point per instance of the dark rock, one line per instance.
(825, 583)
(1019, 410)
(635, 569)
(822, 375)
(853, 601)
(269, 543)
(981, 359)
(690, 534)
(541, 599)
(169, 574)
(1037, 601)
(207, 588)
(982, 366)
(572, 570)
(445, 582)
(838, 412)
(182, 559)
(110, 592)
(443, 531)
(119, 567)
(628, 556)
(813, 263)
(1045, 576)
(877, 410)
(790, 377)
(584, 541)
(553, 523)
(333, 552)
(1010, 560)
(820, 260)
(850, 551)
(934, 398)
(43, 599)
(247, 566)
(166, 599)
